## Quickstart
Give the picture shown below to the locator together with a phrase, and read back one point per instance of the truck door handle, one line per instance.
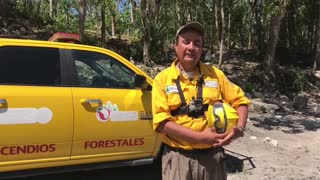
(90, 101)
(3, 101)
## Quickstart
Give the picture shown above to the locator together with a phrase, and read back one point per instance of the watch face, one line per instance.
(242, 129)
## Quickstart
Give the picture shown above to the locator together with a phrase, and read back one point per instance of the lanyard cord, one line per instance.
(183, 100)
(184, 109)
(199, 90)
(199, 87)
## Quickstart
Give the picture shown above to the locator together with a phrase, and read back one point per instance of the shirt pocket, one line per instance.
(210, 95)
(174, 100)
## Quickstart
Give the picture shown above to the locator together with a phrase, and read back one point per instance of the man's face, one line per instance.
(189, 47)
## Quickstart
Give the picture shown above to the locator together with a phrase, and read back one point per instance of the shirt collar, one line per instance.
(176, 72)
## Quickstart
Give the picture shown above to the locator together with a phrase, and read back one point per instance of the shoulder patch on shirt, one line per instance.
(211, 84)
(171, 89)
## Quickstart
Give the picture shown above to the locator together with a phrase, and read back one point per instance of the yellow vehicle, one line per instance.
(62, 105)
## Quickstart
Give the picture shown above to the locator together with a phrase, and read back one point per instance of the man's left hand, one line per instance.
(235, 133)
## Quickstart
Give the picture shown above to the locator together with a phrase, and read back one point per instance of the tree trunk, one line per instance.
(312, 28)
(291, 24)
(148, 12)
(178, 12)
(103, 24)
(252, 24)
(144, 12)
(4, 10)
(229, 28)
(250, 40)
(189, 11)
(132, 12)
(214, 32)
(82, 15)
(217, 18)
(113, 25)
(146, 45)
(275, 23)
(222, 33)
(317, 43)
(258, 29)
(51, 8)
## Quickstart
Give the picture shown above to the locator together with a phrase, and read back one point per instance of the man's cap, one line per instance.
(192, 25)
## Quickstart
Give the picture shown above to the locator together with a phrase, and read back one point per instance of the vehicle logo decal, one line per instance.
(25, 115)
(110, 112)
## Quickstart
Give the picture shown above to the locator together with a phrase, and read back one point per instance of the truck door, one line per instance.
(112, 118)
(36, 116)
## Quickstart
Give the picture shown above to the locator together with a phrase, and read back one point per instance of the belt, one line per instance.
(191, 151)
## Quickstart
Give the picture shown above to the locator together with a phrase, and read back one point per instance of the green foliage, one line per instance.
(290, 80)
(239, 16)
(136, 49)
(263, 109)
(163, 27)
(61, 21)
(157, 42)
(249, 87)
(300, 82)
(123, 22)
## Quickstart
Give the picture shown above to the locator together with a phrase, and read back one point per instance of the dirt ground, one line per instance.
(275, 146)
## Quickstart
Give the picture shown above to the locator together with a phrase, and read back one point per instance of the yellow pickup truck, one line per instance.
(72, 106)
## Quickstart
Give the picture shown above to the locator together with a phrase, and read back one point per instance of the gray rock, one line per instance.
(258, 106)
(271, 141)
(300, 102)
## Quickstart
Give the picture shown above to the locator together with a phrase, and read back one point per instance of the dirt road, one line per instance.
(146, 172)
(282, 147)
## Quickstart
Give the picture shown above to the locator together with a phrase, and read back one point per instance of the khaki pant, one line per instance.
(178, 165)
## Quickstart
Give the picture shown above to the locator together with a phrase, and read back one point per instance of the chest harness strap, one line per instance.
(197, 103)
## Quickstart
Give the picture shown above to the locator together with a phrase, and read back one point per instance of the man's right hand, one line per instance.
(210, 136)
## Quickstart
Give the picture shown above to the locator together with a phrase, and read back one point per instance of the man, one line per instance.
(180, 98)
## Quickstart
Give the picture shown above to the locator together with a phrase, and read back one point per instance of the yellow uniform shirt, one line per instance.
(165, 98)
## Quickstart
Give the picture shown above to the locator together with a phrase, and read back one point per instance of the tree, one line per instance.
(228, 27)
(82, 16)
(148, 12)
(317, 44)
(112, 8)
(228, 24)
(275, 23)
(222, 32)
(103, 24)
(132, 7)
(292, 34)
(217, 19)
(4, 9)
(53, 8)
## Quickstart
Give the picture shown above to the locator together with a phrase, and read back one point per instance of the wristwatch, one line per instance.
(241, 129)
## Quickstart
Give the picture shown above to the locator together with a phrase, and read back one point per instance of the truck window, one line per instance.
(101, 71)
(30, 66)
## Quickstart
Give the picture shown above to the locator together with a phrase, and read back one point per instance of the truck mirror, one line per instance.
(140, 82)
